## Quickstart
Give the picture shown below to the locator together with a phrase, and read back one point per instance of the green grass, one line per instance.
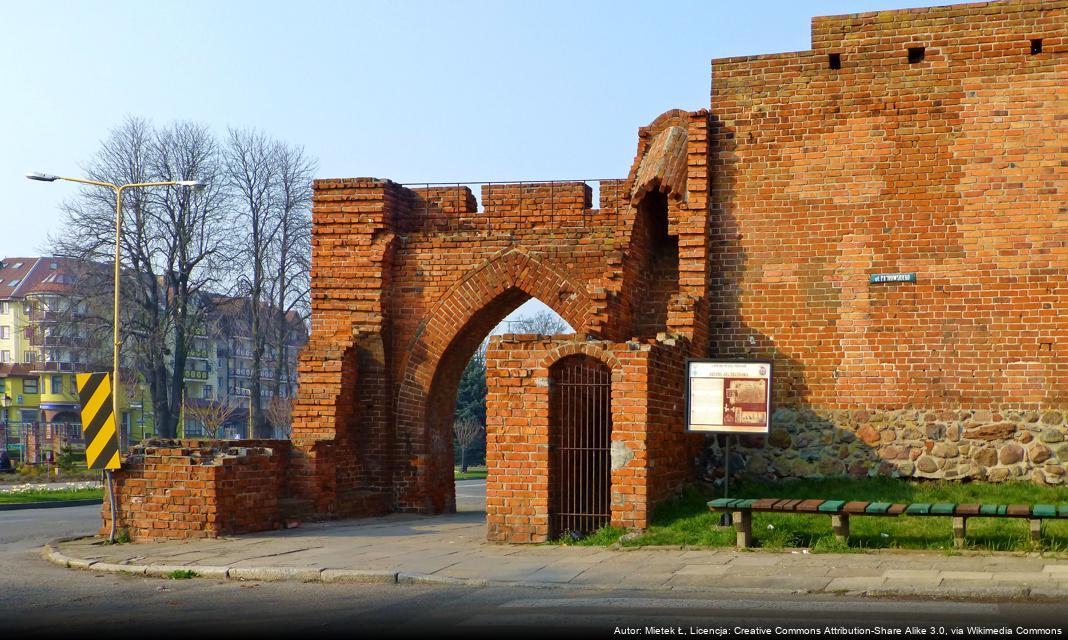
(51, 496)
(687, 521)
(182, 574)
(473, 473)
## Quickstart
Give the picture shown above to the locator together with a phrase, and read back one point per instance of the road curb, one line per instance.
(53, 504)
(51, 553)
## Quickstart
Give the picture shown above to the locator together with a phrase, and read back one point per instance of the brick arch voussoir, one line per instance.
(592, 350)
(512, 268)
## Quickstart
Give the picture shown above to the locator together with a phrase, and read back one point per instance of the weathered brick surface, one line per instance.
(647, 428)
(952, 168)
(199, 489)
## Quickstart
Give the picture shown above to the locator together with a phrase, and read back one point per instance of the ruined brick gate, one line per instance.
(408, 281)
(928, 141)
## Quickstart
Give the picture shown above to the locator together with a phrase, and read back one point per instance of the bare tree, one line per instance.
(466, 431)
(273, 183)
(290, 259)
(251, 168)
(543, 322)
(172, 247)
(212, 414)
(279, 413)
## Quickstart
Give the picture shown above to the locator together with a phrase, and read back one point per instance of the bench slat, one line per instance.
(809, 506)
(718, 503)
(791, 505)
(764, 504)
(942, 508)
(855, 506)
(918, 509)
(896, 509)
(967, 510)
(1044, 511)
(1018, 510)
(832, 506)
(878, 508)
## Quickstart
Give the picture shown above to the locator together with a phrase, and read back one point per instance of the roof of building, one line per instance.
(20, 277)
(16, 369)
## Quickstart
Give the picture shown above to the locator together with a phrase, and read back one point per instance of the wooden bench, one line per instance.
(840, 510)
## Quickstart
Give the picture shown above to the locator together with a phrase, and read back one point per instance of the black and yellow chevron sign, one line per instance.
(98, 421)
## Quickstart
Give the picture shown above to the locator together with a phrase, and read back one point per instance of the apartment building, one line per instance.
(42, 347)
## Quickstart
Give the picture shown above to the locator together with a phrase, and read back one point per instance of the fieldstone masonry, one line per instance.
(747, 231)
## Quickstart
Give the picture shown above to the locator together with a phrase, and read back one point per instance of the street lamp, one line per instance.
(196, 185)
(118, 189)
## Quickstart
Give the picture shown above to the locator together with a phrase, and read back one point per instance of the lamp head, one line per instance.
(41, 177)
(196, 185)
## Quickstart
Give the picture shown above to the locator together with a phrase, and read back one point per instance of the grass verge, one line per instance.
(472, 473)
(686, 520)
(22, 497)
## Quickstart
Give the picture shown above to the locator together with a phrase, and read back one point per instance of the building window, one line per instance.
(29, 385)
(5, 307)
(5, 356)
(30, 357)
(208, 392)
(57, 385)
(5, 332)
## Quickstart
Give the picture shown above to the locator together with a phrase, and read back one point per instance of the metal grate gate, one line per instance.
(580, 434)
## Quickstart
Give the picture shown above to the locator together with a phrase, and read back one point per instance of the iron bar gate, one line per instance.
(580, 471)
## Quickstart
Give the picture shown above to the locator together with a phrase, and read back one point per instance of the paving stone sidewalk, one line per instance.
(452, 549)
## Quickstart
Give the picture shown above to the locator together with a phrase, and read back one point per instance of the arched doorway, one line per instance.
(439, 352)
(580, 434)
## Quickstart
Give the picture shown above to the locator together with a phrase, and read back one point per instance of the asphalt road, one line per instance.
(38, 599)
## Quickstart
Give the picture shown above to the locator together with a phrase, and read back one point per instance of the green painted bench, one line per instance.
(743, 509)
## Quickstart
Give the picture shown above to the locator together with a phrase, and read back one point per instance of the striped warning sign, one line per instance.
(98, 421)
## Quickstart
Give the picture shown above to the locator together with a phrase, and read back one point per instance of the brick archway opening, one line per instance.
(437, 482)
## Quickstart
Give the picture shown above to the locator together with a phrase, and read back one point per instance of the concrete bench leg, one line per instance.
(743, 526)
(960, 530)
(1036, 529)
(840, 526)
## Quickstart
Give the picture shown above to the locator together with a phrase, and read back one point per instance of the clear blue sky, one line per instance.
(413, 91)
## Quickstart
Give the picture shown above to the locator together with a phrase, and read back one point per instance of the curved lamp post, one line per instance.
(118, 189)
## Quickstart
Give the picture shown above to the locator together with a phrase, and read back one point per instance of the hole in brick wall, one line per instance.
(1036, 46)
(834, 60)
(916, 54)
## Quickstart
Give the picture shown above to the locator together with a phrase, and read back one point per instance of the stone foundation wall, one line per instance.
(952, 445)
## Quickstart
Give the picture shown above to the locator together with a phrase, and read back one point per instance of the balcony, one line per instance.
(38, 315)
(70, 342)
(200, 354)
(191, 374)
(57, 367)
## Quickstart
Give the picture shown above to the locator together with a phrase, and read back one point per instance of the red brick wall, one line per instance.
(199, 489)
(652, 455)
(408, 281)
(952, 168)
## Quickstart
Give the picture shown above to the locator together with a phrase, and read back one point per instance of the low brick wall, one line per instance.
(199, 488)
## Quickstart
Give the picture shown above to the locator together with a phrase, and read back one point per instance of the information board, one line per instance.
(724, 396)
